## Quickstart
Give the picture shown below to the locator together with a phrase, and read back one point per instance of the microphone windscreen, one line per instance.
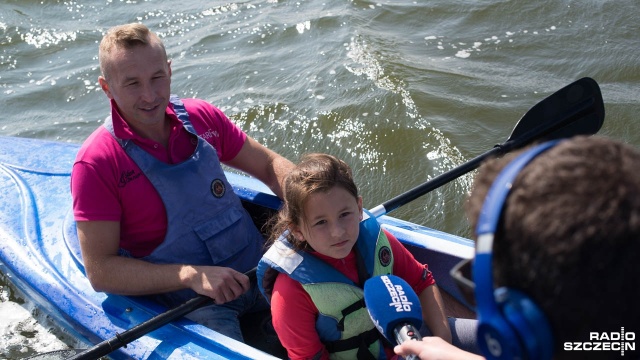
(391, 302)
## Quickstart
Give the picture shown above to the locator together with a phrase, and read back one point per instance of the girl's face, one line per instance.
(331, 222)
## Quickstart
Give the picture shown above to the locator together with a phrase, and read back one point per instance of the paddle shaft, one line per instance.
(432, 184)
(582, 117)
(120, 340)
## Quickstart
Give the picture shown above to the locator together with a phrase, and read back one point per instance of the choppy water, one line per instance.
(402, 90)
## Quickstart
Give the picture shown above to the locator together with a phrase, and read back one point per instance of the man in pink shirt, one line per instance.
(155, 213)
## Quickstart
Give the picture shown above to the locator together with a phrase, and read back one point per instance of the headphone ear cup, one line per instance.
(528, 322)
(496, 338)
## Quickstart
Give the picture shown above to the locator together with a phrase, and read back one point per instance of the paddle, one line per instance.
(122, 339)
(576, 109)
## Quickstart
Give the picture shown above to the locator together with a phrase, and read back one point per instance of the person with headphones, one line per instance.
(563, 220)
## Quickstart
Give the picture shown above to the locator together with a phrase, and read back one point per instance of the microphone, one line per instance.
(394, 308)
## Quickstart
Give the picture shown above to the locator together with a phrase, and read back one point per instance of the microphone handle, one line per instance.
(407, 332)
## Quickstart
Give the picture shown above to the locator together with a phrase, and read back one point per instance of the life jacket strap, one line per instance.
(360, 342)
(348, 310)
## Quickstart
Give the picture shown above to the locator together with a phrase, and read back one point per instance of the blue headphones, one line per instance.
(511, 326)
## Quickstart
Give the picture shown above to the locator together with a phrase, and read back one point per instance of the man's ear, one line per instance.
(105, 86)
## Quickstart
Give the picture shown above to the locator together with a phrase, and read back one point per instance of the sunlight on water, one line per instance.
(20, 332)
(44, 38)
(301, 27)
(24, 330)
(464, 50)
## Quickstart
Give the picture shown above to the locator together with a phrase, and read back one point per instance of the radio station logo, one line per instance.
(605, 341)
(398, 296)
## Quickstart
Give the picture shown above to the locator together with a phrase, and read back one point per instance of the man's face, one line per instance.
(139, 81)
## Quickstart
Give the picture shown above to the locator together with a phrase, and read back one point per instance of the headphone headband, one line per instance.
(502, 335)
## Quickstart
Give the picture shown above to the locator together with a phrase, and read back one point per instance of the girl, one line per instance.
(314, 273)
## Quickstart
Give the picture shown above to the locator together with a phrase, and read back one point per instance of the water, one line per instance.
(402, 90)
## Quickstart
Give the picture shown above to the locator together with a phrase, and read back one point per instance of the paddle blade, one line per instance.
(576, 109)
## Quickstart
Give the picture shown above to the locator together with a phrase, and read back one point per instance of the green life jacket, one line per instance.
(344, 325)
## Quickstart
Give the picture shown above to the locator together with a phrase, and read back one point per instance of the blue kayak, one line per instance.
(39, 253)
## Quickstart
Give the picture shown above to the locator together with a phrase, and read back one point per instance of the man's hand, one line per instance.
(222, 284)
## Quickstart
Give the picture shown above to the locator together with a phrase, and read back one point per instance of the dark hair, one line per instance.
(315, 173)
(569, 236)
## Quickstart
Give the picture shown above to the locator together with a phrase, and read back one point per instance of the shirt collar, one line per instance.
(122, 130)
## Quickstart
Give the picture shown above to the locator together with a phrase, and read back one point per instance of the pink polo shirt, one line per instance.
(107, 185)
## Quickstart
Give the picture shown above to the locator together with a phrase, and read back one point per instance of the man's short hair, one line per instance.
(125, 37)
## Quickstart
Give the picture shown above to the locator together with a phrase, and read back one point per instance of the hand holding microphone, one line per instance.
(394, 308)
